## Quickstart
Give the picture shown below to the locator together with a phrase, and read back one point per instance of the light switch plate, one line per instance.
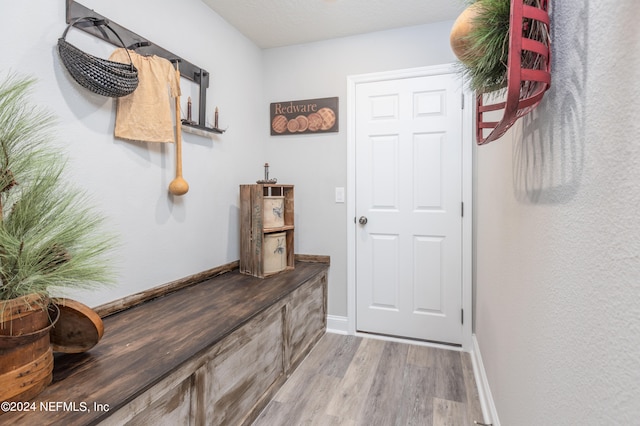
(340, 195)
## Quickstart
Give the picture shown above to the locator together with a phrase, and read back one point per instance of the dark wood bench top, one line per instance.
(145, 343)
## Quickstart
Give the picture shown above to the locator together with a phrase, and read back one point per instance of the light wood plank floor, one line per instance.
(349, 380)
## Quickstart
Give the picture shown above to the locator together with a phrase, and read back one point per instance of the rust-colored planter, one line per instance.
(26, 356)
(525, 85)
(527, 80)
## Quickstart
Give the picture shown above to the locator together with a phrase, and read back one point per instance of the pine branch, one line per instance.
(49, 236)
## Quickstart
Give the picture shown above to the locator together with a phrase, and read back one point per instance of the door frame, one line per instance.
(467, 190)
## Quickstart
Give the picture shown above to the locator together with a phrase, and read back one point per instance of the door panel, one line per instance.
(384, 172)
(384, 271)
(427, 269)
(427, 166)
(409, 187)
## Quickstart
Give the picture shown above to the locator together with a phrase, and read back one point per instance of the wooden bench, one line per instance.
(212, 353)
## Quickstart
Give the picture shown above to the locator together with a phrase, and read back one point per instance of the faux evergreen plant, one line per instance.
(49, 237)
(485, 63)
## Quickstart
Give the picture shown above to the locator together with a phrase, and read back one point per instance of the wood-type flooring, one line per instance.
(349, 380)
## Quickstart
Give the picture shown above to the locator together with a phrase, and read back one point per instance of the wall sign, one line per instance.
(307, 116)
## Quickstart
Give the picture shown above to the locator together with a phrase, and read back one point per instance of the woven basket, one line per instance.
(101, 76)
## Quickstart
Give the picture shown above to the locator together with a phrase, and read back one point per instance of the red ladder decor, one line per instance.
(525, 86)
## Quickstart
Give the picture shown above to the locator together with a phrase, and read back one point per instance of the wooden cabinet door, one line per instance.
(167, 403)
(172, 409)
(236, 381)
(305, 319)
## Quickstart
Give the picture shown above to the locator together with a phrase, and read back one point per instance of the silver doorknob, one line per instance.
(363, 220)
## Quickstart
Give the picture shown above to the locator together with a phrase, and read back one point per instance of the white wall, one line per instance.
(166, 238)
(317, 164)
(163, 238)
(558, 238)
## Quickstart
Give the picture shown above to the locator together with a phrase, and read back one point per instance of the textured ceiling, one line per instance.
(275, 23)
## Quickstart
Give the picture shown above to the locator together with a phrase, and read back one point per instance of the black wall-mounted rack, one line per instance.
(145, 47)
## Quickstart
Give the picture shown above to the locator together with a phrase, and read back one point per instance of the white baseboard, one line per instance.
(487, 404)
(337, 325)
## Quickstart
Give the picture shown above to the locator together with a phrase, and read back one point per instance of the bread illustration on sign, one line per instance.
(328, 118)
(279, 124)
(305, 116)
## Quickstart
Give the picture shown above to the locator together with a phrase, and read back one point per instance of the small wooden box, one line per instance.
(275, 252)
(266, 239)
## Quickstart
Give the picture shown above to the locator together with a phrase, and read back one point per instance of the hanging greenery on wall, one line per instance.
(480, 40)
(504, 51)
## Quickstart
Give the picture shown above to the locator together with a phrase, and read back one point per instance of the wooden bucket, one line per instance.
(26, 356)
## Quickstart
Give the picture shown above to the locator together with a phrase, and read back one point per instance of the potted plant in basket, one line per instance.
(49, 240)
(480, 40)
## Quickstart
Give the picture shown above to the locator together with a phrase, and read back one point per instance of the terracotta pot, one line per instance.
(26, 357)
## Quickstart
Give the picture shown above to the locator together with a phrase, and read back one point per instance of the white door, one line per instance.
(408, 201)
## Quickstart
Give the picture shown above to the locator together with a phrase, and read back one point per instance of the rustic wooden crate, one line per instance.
(254, 229)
